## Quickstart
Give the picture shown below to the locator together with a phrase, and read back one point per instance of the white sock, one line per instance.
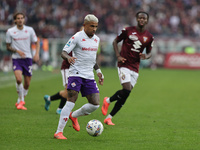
(20, 91)
(18, 100)
(25, 92)
(64, 116)
(108, 100)
(109, 116)
(85, 110)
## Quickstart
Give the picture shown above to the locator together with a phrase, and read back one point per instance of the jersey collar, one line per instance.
(87, 35)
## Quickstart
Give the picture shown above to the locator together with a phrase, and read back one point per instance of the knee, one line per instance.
(124, 95)
(19, 80)
(91, 108)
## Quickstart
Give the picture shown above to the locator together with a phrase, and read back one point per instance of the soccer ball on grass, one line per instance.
(94, 127)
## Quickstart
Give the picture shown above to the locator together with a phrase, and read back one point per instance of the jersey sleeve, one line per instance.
(8, 37)
(149, 47)
(33, 36)
(122, 35)
(69, 46)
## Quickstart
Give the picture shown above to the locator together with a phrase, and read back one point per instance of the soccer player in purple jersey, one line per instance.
(84, 45)
(135, 40)
(18, 41)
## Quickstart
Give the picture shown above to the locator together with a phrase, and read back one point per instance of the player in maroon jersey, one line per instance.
(61, 94)
(135, 40)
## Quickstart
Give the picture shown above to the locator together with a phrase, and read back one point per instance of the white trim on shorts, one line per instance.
(127, 75)
(65, 75)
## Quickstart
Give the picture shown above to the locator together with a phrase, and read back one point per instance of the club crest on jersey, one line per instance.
(145, 38)
(133, 37)
(73, 84)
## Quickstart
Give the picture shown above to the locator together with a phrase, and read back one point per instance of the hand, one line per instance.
(22, 54)
(101, 78)
(142, 56)
(72, 60)
(36, 58)
(121, 59)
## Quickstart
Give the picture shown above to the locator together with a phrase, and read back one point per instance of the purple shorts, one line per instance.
(25, 65)
(86, 86)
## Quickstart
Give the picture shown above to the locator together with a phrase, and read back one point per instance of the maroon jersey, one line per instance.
(134, 43)
(65, 63)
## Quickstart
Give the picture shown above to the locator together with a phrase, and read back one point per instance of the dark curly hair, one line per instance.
(143, 12)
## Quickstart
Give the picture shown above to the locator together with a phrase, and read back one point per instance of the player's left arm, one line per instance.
(36, 57)
(99, 73)
(35, 40)
(148, 52)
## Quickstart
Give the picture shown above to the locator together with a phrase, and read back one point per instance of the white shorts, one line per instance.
(65, 75)
(127, 75)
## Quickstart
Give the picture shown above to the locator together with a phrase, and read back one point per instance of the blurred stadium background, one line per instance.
(175, 25)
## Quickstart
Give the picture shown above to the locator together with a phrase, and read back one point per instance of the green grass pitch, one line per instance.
(161, 113)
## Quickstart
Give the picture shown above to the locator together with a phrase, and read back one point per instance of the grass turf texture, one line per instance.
(162, 112)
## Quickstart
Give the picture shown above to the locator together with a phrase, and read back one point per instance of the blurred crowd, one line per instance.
(61, 18)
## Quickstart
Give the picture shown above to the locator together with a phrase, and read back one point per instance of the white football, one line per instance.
(94, 127)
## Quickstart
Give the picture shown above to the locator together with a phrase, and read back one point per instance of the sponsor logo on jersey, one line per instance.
(134, 33)
(17, 39)
(89, 49)
(83, 40)
(133, 37)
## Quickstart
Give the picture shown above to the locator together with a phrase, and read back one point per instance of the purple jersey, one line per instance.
(134, 43)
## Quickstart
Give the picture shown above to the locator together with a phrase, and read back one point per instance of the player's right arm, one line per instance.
(67, 57)
(13, 50)
(119, 57)
(10, 48)
(69, 46)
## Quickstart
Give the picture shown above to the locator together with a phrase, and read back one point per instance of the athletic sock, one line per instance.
(108, 100)
(62, 102)
(86, 109)
(20, 92)
(64, 116)
(118, 105)
(116, 96)
(18, 100)
(109, 116)
(55, 96)
(25, 92)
